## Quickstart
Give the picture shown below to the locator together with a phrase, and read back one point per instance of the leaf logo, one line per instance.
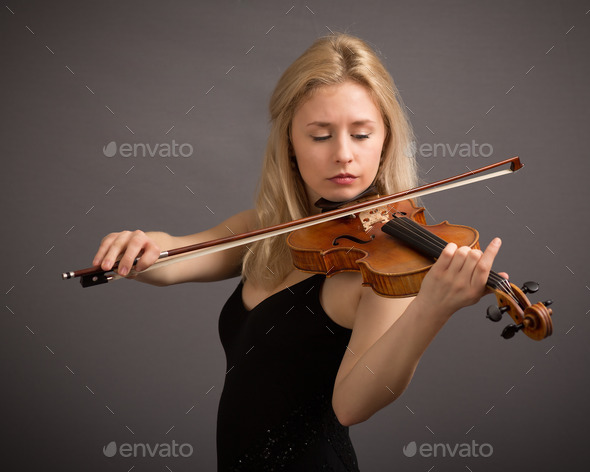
(110, 450)
(110, 149)
(410, 449)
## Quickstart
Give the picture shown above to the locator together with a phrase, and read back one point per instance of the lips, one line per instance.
(343, 179)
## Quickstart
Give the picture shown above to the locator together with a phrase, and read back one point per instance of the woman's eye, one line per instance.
(355, 136)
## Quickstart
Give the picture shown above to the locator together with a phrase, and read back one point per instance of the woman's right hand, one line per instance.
(126, 245)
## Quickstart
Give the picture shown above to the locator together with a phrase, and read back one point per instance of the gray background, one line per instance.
(125, 362)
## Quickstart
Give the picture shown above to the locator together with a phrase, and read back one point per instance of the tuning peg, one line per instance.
(530, 287)
(495, 313)
(548, 302)
(511, 330)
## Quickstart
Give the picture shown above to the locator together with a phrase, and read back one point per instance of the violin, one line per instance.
(386, 239)
(393, 248)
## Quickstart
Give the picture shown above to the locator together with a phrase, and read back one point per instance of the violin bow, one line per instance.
(95, 275)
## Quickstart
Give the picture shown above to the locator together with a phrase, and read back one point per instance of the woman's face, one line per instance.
(337, 137)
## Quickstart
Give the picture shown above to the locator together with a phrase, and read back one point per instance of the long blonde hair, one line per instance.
(330, 60)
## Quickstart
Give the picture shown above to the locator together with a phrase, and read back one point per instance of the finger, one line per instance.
(150, 255)
(472, 259)
(128, 259)
(491, 251)
(115, 250)
(484, 265)
(135, 247)
(103, 248)
(445, 258)
(459, 259)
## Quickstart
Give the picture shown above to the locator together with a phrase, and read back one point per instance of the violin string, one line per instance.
(438, 244)
(495, 280)
(508, 289)
(433, 245)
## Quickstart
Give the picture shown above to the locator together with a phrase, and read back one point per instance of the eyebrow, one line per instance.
(324, 124)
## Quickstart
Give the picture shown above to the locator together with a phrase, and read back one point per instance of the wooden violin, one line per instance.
(393, 249)
(393, 230)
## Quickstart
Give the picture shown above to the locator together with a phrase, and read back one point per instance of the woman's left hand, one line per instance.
(458, 278)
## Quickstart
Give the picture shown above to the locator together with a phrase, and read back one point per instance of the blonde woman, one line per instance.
(309, 356)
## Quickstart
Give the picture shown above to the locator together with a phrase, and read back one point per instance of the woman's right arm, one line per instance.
(127, 245)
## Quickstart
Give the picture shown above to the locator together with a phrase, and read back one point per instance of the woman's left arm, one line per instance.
(389, 335)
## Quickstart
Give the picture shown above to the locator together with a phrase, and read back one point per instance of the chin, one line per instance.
(342, 195)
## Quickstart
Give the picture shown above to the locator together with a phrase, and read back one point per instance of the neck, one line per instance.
(327, 205)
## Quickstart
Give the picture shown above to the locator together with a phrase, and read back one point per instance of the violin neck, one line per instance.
(425, 242)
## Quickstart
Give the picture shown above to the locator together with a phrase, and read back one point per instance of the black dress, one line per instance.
(275, 411)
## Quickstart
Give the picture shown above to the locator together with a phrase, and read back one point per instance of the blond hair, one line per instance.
(281, 195)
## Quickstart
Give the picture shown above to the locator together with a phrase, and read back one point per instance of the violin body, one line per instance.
(390, 267)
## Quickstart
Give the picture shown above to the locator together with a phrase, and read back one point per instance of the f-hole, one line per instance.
(353, 239)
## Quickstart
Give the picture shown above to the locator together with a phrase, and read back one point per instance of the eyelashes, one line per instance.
(356, 136)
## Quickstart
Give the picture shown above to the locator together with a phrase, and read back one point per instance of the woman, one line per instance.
(309, 356)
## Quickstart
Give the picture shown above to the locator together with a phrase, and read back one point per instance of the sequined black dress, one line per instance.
(275, 411)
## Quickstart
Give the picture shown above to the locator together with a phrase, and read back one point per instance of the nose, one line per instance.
(343, 150)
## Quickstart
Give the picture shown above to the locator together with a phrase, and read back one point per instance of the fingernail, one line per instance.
(497, 241)
(123, 271)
